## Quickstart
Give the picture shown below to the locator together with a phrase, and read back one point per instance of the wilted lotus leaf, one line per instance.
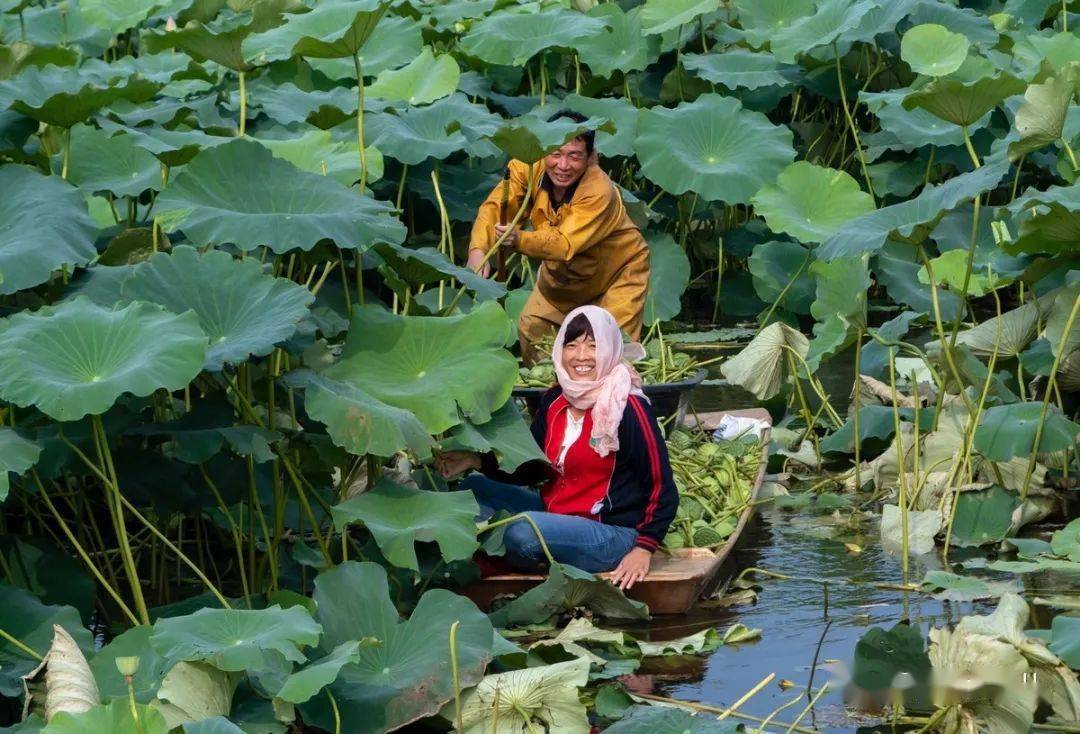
(115, 718)
(740, 69)
(761, 365)
(77, 358)
(669, 274)
(511, 38)
(431, 366)
(69, 686)
(17, 454)
(425, 79)
(811, 202)
(1041, 119)
(1006, 431)
(407, 676)
(566, 588)
(544, 697)
(63, 96)
(964, 103)
(327, 31)
(400, 517)
(622, 47)
(712, 147)
(933, 49)
(31, 622)
(1057, 319)
(101, 162)
(922, 526)
(212, 202)
(660, 16)
(249, 640)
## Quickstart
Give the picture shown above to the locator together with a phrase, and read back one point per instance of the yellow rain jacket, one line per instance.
(591, 250)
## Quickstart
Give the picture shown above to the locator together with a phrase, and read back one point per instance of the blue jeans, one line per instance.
(586, 544)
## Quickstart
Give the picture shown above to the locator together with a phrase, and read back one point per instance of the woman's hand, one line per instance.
(511, 241)
(632, 568)
(452, 463)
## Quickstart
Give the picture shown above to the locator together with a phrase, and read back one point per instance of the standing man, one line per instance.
(592, 252)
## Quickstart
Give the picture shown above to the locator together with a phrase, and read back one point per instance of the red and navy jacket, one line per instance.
(631, 487)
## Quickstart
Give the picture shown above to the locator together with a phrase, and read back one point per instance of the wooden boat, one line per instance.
(677, 578)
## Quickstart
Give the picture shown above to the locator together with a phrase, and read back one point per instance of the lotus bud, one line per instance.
(170, 24)
(128, 666)
(584, 5)
(459, 27)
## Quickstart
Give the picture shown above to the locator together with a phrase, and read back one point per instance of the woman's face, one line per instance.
(579, 358)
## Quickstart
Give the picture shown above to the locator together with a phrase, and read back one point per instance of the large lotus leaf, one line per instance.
(964, 103)
(358, 422)
(213, 201)
(831, 19)
(117, 16)
(329, 30)
(875, 421)
(28, 620)
(868, 233)
(406, 676)
(666, 720)
(567, 587)
(425, 79)
(660, 16)
(544, 697)
(1058, 317)
(896, 266)
(775, 264)
(506, 434)
(669, 274)
(115, 718)
(316, 675)
(431, 366)
(740, 69)
(216, 725)
(880, 655)
(621, 47)
(63, 96)
(950, 271)
(811, 202)
(617, 110)
(77, 358)
(289, 104)
(1012, 332)
(316, 151)
(511, 39)
(244, 311)
(1041, 119)
(44, 227)
(237, 639)
(171, 147)
(1065, 640)
(713, 147)
(221, 39)
(916, 127)
(983, 516)
(17, 454)
(1054, 230)
(761, 365)
(434, 131)
(839, 305)
(1006, 431)
(399, 517)
(426, 265)
(933, 49)
(56, 25)
(48, 571)
(134, 642)
(1056, 48)
(398, 41)
(193, 692)
(103, 162)
(444, 14)
(530, 138)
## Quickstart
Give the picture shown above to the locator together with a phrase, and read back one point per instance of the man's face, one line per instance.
(567, 164)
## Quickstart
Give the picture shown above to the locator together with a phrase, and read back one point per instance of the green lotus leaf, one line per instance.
(57, 25)
(238, 639)
(220, 40)
(318, 674)
(839, 306)
(713, 147)
(964, 103)
(134, 642)
(63, 96)
(1065, 640)
(1056, 48)
(213, 202)
(622, 47)
(45, 227)
(1041, 119)
(761, 19)
(407, 676)
(811, 202)
(664, 720)
(171, 147)
(1057, 319)
(444, 14)
(327, 31)
(1054, 230)
(660, 16)
(740, 69)
(316, 151)
(425, 79)
(358, 422)
(511, 39)
(48, 571)
(1006, 431)
(431, 366)
(621, 114)
(950, 270)
(1013, 331)
(775, 264)
(102, 162)
(880, 655)
(77, 358)
(916, 127)
(28, 620)
(288, 104)
(567, 587)
(216, 725)
(868, 233)
(397, 42)
(115, 718)
(830, 20)
(434, 131)
(896, 266)
(954, 587)
(875, 421)
(669, 274)
(545, 697)
(17, 454)
(398, 517)
(933, 49)
(530, 138)
(982, 517)
(116, 16)
(506, 434)
(426, 265)
(18, 55)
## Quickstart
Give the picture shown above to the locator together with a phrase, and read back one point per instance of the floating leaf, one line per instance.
(567, 587)
(212, 202)
(761, 365)
(810, 202)
(425, 79)
(545, 697)
(77, 358)
(1006, 431)
(669, 274)
(964, 103)
(933, 49)
(511, 39)
(665, 720)
(399, 517)
(660, 16)
(711, 146)
(881, 655)
(17, 454)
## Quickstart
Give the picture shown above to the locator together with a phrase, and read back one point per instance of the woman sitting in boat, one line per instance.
(608, 496)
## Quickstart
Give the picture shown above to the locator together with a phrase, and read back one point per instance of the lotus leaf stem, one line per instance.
(455, 675)
(716, 710)
(783, 292)
(334, 708)
(809, 706)
(945, 346)
(26, 649)
(360, 122)
(1069, 152)
(901, 457)
(233, 529)
(858, 407)
(768, 719)
(484, 527)
(747, 696)
(851, 122)
(243, 104)
(719, 278)
(302, 496)
(67, 156)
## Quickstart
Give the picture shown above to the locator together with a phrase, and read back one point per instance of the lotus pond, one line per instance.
(235, 328)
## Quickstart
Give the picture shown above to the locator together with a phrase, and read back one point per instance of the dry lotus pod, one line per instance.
(69, 684)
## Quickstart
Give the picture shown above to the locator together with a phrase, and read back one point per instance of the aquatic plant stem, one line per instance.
(747, 696)
(67, 154)
(809, 706)
(334, 708)
(851, 122)
(484, 527)
(234, 530)
(716, 710)
(1046, 397)
(455, 675)
(945, 347)
(243, 104)
(6, 636)
(901, 460)
(858, 407)
(780, 298)
(360, 121)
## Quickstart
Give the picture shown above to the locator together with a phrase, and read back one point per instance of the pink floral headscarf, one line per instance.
(617, 379)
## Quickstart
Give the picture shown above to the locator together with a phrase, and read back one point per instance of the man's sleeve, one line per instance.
(483, 231)
(588, 221)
